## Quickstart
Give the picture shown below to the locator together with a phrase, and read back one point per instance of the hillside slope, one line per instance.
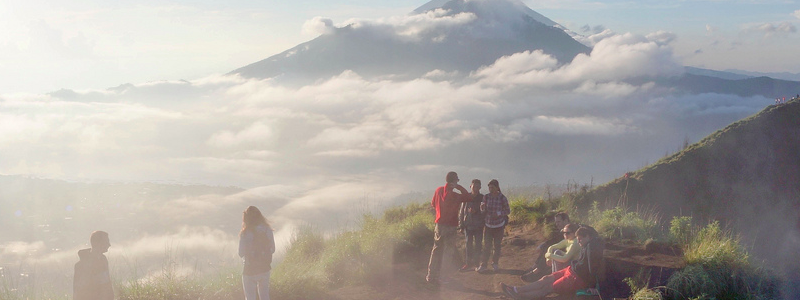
(747, 176)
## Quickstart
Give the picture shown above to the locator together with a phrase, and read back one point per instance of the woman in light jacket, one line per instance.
(256, 246)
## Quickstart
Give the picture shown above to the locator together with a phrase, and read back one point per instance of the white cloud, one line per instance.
(595, 38)
(796, 14)
(318, 26)
(570, 126)
(662, 37)
(615, 58)
(255, 133)
(770, 29)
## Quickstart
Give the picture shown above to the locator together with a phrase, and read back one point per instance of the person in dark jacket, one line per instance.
(581, 274)
(92, 280)
(470, 220)
(256, 246)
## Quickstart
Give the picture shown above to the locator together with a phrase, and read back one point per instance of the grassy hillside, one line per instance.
(746, 176)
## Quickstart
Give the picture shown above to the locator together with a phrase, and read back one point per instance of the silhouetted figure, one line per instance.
(92, 280)
(495, 206)
(446, 202)
(471, 221)
(256, 246)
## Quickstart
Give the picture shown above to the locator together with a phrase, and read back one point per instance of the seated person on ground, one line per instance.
(581, 274)
(540, 266)
(562, 253)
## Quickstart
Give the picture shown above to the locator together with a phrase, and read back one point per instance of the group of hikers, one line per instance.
(780, 100)
(92, 280)
(568, 265)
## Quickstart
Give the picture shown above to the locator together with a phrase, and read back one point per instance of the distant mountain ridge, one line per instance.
(777, 75)
(747, 87)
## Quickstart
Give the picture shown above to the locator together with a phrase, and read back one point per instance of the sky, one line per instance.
(50, 45)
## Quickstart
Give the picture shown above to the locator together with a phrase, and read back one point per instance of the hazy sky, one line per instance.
(48, 45)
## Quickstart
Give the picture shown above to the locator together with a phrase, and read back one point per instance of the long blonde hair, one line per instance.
(252, 217)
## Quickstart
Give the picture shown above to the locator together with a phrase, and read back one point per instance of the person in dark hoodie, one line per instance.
(581, 274)
(470, 219)
(92, 280)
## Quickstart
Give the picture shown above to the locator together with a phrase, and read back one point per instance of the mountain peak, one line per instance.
(507, 5)
(462, 37)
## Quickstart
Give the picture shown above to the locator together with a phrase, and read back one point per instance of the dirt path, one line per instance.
(518, 253)
(407, 280)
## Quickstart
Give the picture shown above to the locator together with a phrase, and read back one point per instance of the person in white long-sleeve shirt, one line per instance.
(256, 246)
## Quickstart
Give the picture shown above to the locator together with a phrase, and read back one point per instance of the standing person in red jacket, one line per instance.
(92, 280)
(447, 202)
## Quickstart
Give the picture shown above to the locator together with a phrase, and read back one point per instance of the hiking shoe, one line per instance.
(466, 268)
(495, 267)
(482, 269)
(509, 291)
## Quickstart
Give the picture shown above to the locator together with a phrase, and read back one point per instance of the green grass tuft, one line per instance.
(718, 267)
(680, 230)
(314, 265)
(620, 223)
(525, 211)
(712, 247)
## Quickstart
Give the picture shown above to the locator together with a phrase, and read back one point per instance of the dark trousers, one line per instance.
(473, 246)
(492, 237)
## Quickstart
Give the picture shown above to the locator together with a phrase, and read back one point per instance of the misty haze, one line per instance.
(367, 115)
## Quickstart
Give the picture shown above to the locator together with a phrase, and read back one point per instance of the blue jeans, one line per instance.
(473, 246)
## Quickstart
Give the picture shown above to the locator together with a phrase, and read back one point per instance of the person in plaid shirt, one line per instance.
(495, 206)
